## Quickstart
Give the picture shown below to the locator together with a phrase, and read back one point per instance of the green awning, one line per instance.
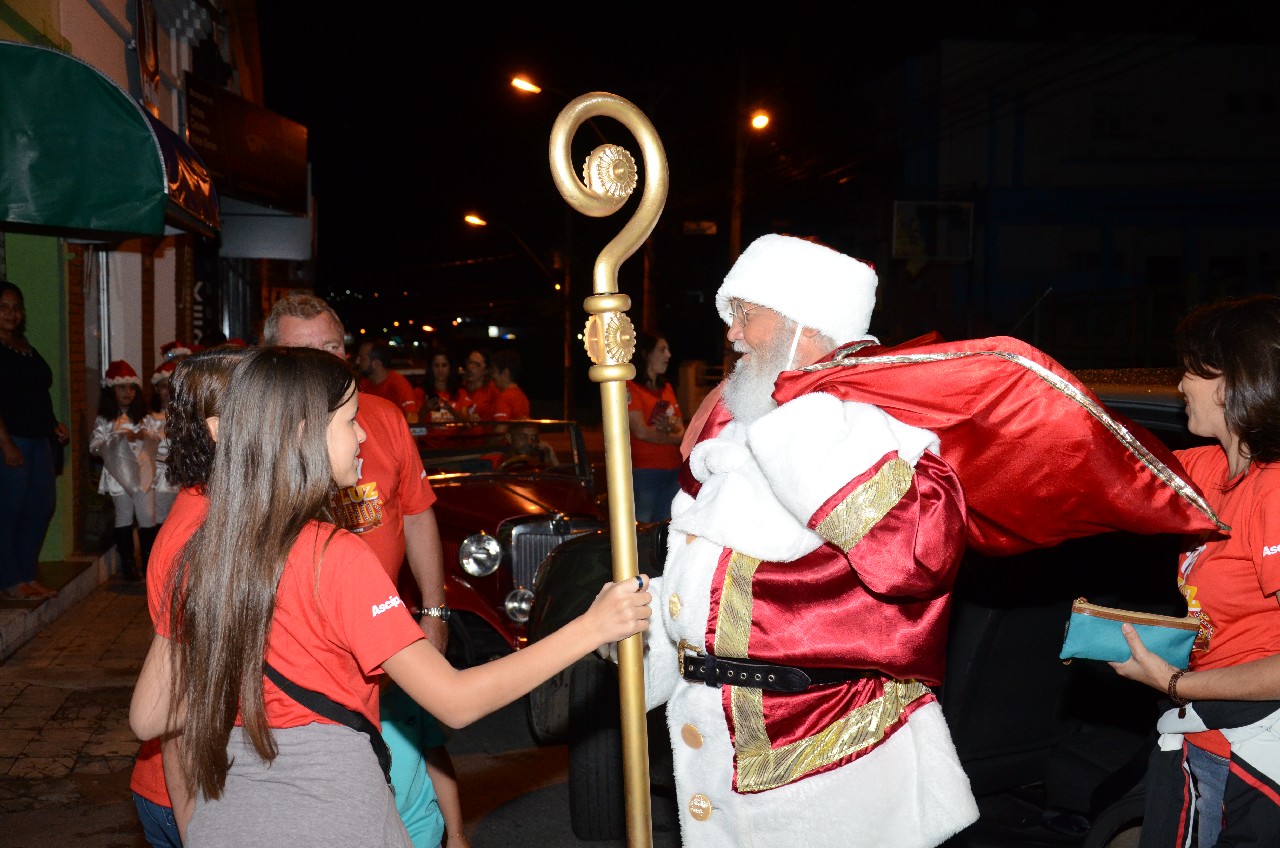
(80, 158)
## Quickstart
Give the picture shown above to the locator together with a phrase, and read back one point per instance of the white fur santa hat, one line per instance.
(164, 372)
(121, 373)
(174, 350)
(812, 285)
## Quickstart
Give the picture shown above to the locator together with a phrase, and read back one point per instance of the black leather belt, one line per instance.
(700, 667)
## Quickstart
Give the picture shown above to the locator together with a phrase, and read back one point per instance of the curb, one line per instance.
(19, 626)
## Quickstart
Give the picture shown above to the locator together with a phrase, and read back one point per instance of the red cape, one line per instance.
(1040, 457)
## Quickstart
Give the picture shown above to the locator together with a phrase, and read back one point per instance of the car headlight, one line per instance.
(518, 605)
(479, 555)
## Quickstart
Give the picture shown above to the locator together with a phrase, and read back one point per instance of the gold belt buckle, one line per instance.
(681, 649)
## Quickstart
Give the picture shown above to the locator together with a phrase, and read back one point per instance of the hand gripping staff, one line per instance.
(609, 178)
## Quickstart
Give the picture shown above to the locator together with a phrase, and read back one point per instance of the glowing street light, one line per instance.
(759, 120)
(525, 85)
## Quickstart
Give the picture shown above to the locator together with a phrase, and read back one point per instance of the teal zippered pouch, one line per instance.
(1093, 633)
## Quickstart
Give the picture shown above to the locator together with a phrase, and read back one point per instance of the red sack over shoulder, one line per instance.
(1040, 457)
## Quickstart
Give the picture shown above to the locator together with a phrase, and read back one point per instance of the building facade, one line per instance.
(111, 220)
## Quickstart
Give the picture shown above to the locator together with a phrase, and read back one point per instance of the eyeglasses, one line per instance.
(741, 313)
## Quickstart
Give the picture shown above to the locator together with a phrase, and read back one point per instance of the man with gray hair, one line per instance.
(390, 507)
(805, 595)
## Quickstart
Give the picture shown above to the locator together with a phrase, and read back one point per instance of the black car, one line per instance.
(1055, 752)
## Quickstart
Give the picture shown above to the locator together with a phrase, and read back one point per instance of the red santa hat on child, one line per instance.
(121, 373)
(174, 350)
(164, 372)
(807, 282)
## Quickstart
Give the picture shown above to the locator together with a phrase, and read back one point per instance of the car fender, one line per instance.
(572, 574)
(461, 596)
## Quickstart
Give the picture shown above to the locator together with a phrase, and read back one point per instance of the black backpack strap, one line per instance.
(322, 705)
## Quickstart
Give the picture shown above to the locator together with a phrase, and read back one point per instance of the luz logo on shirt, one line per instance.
(393, 601)
(358, 508)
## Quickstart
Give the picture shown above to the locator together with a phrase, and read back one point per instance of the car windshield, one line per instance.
(515, 447)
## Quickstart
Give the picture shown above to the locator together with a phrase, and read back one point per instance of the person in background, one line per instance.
(255, 645)
(373, 361)
(512, 402)
(165, 489)
(175, 351)
(478, 397)
(29, 435)
(443, 385)
(657, 428)
(391, 509)
(128, 475)
(197, 383)
(1215, 770)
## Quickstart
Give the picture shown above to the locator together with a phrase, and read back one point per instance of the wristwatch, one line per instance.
(441, 612)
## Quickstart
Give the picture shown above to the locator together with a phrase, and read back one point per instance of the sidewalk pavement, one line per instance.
(67, 670)
(67, 673)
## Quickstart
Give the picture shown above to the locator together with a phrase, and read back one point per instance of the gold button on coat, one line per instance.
(673, 605)
(691, 736)
(700, 807)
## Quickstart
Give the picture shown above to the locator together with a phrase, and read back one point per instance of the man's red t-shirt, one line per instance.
(482, 403)
(512, 403)
(396, 388)
(392, 484)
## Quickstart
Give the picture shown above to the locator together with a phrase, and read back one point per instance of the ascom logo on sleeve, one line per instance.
(1268, 550)
(393, 601)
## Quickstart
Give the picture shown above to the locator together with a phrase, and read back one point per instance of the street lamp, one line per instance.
(758, 121)
(524, 84)
(562, 284)
(476, 221)
(530, 87)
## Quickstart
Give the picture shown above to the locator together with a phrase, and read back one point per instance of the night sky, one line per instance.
(413, 123)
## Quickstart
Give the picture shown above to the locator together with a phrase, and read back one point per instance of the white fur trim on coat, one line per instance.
(811, 447)
(735, 507)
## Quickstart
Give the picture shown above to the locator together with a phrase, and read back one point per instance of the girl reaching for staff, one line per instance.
(268, 586)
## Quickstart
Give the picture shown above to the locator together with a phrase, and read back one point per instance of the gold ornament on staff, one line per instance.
(609, 177)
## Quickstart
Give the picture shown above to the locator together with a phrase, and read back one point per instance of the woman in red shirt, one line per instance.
(268, 586)
(1218, 743)
(656, 430)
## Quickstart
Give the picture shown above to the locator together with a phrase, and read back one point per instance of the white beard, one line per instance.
(749, 390)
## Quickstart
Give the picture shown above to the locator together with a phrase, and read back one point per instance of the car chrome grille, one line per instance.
(530, 544)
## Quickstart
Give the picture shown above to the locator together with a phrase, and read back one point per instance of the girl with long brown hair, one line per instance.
(280, 625)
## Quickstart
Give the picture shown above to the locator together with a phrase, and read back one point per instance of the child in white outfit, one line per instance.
(166, 492)
(128, 474)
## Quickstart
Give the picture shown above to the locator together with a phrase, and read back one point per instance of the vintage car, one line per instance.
(1055, 752)
(507, 493)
